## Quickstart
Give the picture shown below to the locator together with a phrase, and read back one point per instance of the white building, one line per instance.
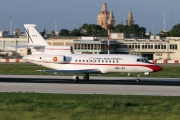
(154, 48)
(6, 49)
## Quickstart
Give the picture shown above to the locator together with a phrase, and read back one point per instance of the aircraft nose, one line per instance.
(156, 68)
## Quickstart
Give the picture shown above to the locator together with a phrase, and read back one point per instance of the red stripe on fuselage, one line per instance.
(154, 67)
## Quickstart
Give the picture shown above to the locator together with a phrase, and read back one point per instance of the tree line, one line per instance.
(174, 32)
(98, 31)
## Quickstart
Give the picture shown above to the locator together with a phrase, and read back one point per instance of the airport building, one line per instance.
(6, 43)
(153, 48)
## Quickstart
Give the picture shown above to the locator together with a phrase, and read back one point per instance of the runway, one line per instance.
(96, 85)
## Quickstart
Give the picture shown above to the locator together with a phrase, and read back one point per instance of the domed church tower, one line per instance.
(103, 16)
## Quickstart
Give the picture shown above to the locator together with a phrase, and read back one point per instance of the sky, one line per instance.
(71, 14)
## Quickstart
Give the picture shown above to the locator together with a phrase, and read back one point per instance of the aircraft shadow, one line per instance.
(101, 82)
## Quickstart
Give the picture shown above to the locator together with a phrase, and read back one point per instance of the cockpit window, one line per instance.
(138, 60)
(146, 61)
(143, 60)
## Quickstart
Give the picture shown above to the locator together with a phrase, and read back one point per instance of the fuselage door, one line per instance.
(91, 61)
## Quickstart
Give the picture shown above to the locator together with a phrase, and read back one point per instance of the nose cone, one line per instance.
(156, 68)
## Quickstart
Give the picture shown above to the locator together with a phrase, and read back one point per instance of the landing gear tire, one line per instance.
(138, 80)
(86, 77)
(75, 78)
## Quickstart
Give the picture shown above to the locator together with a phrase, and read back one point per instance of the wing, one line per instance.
(85, 71)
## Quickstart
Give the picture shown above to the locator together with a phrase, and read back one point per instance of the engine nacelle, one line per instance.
(54, 58)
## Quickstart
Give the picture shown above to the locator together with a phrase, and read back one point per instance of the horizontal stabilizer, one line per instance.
(29, 45)
(85, 71)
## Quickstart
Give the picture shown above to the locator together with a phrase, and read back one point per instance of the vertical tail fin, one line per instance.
(38, 45)
(33, 35)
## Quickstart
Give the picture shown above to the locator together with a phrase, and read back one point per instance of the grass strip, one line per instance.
(21, 106)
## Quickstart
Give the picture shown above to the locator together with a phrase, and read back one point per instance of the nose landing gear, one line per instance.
(137, 76)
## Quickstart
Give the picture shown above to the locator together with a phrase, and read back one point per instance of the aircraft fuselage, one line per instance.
(104, 63)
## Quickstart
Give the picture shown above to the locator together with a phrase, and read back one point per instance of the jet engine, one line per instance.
(53, 58)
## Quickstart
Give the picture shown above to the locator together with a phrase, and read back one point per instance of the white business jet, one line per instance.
(61, 59)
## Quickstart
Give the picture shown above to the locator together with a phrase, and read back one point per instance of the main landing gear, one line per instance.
(85, 77)
(137, 76)
(75, 78)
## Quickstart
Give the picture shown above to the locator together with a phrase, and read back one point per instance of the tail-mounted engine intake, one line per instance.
(54, 59)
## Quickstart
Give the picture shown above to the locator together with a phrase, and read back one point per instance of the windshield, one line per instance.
(143, 60)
